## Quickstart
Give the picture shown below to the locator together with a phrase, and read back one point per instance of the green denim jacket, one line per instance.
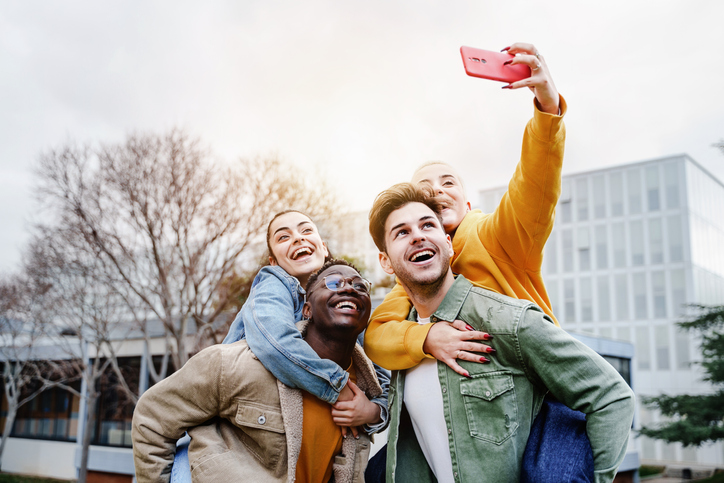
(489, 415)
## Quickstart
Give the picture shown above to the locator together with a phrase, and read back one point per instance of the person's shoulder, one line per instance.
(501, 312)
(274, 277)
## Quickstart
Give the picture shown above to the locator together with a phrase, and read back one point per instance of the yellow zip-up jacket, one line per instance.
(501, 251)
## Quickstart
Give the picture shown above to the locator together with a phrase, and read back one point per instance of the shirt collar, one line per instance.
(452, 304)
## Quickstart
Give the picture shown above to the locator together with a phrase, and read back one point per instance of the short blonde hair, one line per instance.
(442, 163)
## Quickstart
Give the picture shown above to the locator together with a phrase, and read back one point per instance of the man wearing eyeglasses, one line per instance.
(245, 425)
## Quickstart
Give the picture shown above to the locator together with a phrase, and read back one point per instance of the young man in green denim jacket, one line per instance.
(476, 428)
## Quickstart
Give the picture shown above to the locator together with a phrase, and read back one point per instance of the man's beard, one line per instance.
(427, 285)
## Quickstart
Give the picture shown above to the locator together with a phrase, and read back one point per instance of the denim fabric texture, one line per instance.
(558, 450)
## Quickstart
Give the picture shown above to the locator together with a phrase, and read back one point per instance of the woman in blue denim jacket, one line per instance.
(267, 321)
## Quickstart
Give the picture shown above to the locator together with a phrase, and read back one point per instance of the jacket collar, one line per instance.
(452, 304)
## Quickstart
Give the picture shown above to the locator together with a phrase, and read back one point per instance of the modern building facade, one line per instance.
(631, 247)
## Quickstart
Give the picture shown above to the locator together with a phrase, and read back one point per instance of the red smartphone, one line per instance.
(489, 65)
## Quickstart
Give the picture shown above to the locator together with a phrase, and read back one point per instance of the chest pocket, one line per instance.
(262, 431)
(490, 406)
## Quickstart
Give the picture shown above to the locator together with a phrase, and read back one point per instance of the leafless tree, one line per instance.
(169, 223)
(81, 318)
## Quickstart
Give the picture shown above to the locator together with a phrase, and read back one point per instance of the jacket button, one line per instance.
(261, 419)
(444, 389)
(449, 431)
(487, 393)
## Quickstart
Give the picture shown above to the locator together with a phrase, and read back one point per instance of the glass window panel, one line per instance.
(584, 250)
(658, 282)
(619, 245)
(604, 299)
(678, 292)
(615, 181)
(606, 332)
(621, 287)
(639, 290)
(569, 295)
(564, 202)
(683, 356)
(633, 185)
(676, 247)
(643, 348)
(656, 242)
(552, 289)
(652, 188)
(582, 198)
(599, 196)
(551, 253)
(624, 334)
(586, 300)
(636, 231)
(661, 337)
(601, 233)
(567, 236)
(671, 180)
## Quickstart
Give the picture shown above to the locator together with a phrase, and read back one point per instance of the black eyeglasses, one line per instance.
(337, 282)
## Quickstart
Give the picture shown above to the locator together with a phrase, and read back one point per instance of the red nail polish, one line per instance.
(507, 62)
(488, 337)
(468, 376)
(469, 327)
(490, 350)
(506, 87)
(505, 49)
(484, 359)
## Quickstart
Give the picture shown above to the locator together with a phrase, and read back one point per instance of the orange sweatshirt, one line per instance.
(501, 251)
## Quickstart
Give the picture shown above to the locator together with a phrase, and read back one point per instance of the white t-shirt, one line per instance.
(423, 398)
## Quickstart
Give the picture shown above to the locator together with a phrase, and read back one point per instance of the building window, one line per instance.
(552, 289)
(661, 338)
(676, 245)
(671, 180)
(615, 182)
(658, 283)
(599, 196)
(567, 236)
(633, 183)
(639, 290)
(683, 356)
(586, 300)
(551, 253)
(601, 247)
(624, 334)
(619, 245)
(53, 414)
(678, 292)
(643, 348)
(582, 198)
(621, 284)
(623, 366)
(604, 299)
(115, 407)
(569, 295)
(564, 202)
(584, 249)
(652, 188)
(656, 242)
(636, 231)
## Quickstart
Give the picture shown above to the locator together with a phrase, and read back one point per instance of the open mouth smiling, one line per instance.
(301, 252)
(422, 256)
(347, 304)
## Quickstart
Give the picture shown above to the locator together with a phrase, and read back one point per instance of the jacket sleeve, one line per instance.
(391, 340)
(582, 380)
(183, 400)
(519, 227)
(383, 377)
(272, 336)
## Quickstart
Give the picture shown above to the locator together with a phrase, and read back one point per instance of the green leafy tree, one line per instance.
(696, 419)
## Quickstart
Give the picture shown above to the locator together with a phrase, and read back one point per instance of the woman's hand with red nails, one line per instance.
(540, 80)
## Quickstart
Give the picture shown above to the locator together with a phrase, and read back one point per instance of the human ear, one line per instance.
(385, 263)
(272, 260)
(470, 207)
(449, 244)
(307, 311)
(326, 250)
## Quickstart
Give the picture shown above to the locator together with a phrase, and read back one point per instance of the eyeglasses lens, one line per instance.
(336, 282)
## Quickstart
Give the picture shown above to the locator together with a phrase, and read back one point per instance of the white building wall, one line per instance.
(52, 459)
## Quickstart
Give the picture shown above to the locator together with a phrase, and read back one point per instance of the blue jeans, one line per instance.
(181, 471)
(558, 450)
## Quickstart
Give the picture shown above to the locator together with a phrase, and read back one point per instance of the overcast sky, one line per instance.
(364, 91)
